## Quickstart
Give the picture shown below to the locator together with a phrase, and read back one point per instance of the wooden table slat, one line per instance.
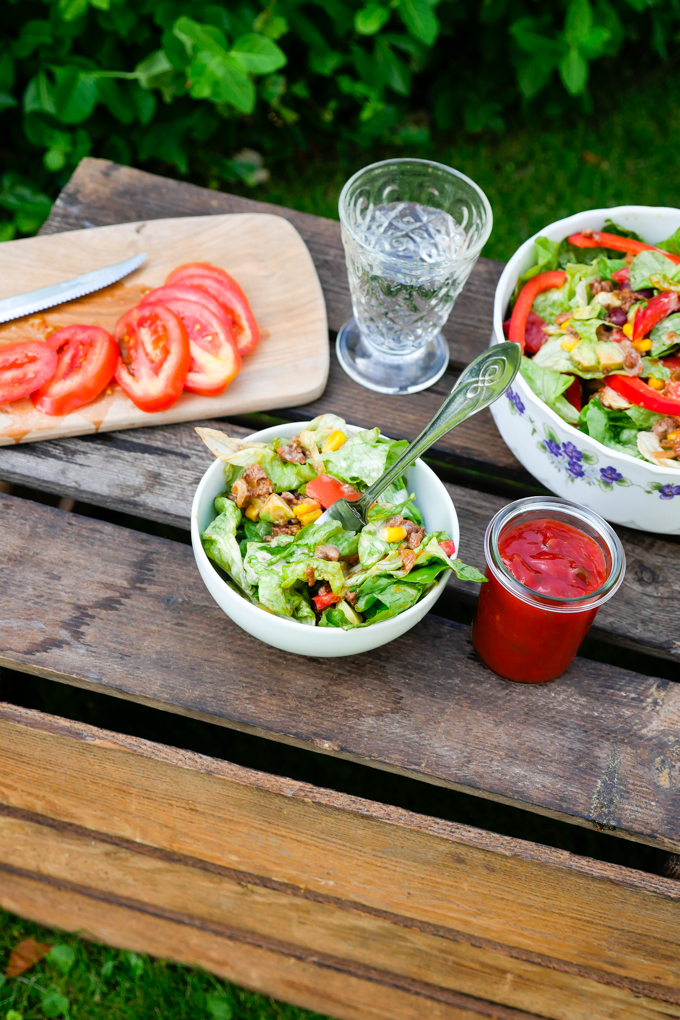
(103, 607)
(153, 472)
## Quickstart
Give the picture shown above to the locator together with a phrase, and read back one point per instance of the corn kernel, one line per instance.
(304, 509)
(674, 435)
(397, 534)
(310, 518)
(252, 511)
(334, 442)
(628, 329)
(656, 384)
(642, 345)
(569, 343)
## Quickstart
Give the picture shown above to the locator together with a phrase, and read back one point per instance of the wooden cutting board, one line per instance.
(265, 254)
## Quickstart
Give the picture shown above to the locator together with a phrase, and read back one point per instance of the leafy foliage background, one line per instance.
(222, 92)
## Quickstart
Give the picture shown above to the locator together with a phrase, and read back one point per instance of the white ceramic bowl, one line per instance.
(621, 488)
(438, 511)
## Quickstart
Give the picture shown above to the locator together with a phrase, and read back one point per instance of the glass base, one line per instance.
(401, 373)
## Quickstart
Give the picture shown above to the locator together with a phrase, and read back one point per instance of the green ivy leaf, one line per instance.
(101, 5)
(197, 37)
(38, 96)
(271, 25)
(221, 78)
(420, 20)
(528, 34)
(573, 71)
(116, 100)
(534, 73)
(144, 103)
(62, 957)
(33, 34)
(75, 94)
(370, 19)
(578, 22)
(257, 54)
(7, 101)
(71, 9)
(156, 72)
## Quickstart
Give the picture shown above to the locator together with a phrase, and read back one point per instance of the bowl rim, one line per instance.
(230, 593)
(510, 271)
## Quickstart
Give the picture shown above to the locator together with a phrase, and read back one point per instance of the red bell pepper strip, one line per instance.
(671, 361)
(594, 239)
(622, 277)
(327, 490)
(449, 547)
(638, 392)
(324, 601)
(529, 292)
(654, 311)
(573, 394)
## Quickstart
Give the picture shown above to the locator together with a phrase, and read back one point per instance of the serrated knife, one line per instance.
(56, 294)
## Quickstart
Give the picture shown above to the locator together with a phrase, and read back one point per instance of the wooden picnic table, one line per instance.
(348, 906)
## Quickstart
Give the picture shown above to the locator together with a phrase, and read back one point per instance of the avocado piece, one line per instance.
(610, 354)
(276, 510)
(585, 355)
(350, 614)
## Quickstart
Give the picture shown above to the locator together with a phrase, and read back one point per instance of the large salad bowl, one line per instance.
(289, 635)
(622, 488)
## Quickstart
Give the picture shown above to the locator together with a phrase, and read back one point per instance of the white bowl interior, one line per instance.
(436, 507)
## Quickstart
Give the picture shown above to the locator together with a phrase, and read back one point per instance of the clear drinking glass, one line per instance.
(412, 231)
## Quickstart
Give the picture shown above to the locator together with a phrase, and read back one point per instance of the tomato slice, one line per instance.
(225, 289)
(449, 547)
(24, 366)
(324, 601)
(154, 356)
(215, 360)
(87, 358)
(328, 490)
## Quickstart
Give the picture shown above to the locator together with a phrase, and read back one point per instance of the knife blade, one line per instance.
(67, 290)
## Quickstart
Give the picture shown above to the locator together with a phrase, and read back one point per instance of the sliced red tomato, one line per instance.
(324, 601)
(24, 366)
(573, 393)
(328, 490)
(671, 361)
(154, 356)
(226, 290)
(449, 547)
(87, 358)
(622, 276)
(215, 360)
(653, 312)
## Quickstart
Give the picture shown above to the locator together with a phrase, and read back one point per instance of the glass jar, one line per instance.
(527, 636)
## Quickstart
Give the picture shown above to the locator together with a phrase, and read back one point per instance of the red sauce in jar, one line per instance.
(524, 641)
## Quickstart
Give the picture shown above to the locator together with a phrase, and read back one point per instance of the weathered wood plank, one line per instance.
(375, 892)
(153, 473)
(127, 614)
(100, 193)
(247, 910)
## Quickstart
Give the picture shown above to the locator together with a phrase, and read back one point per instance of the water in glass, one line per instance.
(402, 280)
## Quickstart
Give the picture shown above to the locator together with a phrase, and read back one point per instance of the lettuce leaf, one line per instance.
(324, 570)
(616, 429)
(646, 264)
(662, 342)
(672, 243)
(364, 458)
(549, 387)
(219, 542)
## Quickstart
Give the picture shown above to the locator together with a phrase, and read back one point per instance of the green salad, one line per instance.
(598, 319)
(274, 551)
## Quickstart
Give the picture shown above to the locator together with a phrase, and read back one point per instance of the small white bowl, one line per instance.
(289, 635)
(621, 488)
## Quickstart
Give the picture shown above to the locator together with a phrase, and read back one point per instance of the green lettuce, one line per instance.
(647, 264)
(324, 570)
(617, 429)
(671, 244)
(665, 336)
(219, 541)
(652, 368)
(284, 601)
(364, 458)
(549, 387)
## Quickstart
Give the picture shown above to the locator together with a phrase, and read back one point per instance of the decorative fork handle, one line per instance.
(483, 381)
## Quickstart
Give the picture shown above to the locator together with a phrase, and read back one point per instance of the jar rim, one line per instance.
(470, 252)
(578, 514)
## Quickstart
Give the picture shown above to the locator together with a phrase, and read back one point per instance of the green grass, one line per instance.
(622, 155)
(81, 980)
